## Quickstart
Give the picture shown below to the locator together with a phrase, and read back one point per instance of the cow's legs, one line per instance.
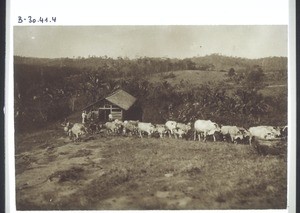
(175, 135)
(204, 136)
(234, 140)
(250, 140)
(141, 134)
(76, 137)
(214, 137)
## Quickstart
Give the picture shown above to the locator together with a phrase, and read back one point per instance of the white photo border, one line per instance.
(155, 12)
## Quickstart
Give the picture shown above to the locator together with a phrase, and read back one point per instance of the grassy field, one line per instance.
(117, 172)
(195, 77)
(198, 77)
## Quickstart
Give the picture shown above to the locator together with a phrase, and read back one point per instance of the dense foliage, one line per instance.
(48, 90)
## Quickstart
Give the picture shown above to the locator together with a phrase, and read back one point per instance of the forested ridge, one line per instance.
(144, 64)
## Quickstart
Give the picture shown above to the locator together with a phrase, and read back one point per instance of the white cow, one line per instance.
(233, 131)
(171, 126)
(264, 132)
(76, 130)
(130, 127)
(145, 127)
(111, 127)
(205, 127)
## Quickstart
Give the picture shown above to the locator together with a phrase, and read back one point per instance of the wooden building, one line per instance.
(120, 104)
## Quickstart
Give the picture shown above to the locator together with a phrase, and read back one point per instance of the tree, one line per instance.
(231, 72)
(254, 78)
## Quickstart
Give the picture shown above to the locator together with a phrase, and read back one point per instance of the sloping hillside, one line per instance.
(274, 86)
(194, 77)
(221, 62)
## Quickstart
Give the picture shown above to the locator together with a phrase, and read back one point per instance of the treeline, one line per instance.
(221, 62)
(120, 67)
(45, 94)
(124, 66)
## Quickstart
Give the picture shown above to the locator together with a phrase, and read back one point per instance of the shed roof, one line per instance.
(122, 99)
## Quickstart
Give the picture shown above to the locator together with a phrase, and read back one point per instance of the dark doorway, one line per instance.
(103, 114)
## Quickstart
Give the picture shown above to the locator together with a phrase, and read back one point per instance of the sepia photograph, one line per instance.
(157, 117)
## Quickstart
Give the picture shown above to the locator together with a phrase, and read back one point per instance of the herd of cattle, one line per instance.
(200, 129)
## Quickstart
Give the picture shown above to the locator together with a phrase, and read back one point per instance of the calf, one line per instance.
(179, 132)
(232, 131)
(161, 129)
(184, 127)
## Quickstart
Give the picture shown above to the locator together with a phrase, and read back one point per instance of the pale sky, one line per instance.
(249, 41)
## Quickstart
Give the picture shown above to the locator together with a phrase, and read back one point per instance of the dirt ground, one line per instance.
(117, 172)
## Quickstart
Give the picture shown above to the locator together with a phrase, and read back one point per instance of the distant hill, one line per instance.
(220, 62)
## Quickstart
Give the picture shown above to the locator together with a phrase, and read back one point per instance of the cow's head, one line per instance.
(217, 127)
(67, 126)
(64, 123)
(152, 128)
(269, 136)
(189, 125)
